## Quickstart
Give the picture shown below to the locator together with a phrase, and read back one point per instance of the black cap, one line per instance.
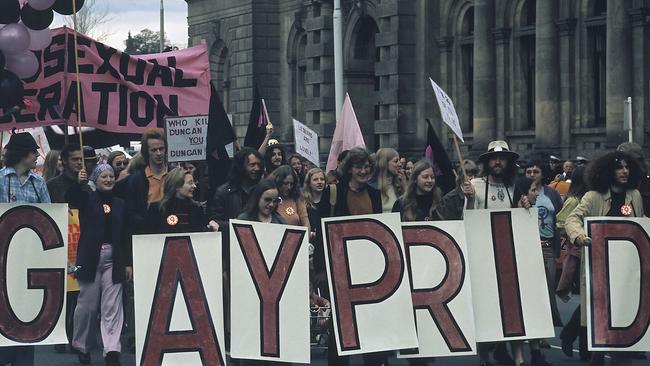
(23, 141)
(89, 153)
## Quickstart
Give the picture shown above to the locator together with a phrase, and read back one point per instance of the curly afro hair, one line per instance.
(601, 173)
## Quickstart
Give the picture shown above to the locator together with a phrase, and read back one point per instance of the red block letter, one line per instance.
(435, 299)
(604, 334)
(178, 268)
(50, 280)
(512, 317)
(269, 284)
(346, 295)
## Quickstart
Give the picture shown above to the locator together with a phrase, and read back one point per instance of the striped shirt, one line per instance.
(32, 190)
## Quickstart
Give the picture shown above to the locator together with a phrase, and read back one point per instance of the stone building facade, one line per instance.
(548, 76)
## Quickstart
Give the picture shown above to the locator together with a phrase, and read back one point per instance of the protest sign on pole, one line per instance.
(447, 110)
(372, 309)
(269, 271)
(186, 138)
(33, 257)
(306, 142)
(509, 291)
(74, 232)
(436, 255)
(178, 299)
(618, 284)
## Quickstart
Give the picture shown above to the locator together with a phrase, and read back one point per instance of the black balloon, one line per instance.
(9, 11)
(36, 19)
(64, 7)
(11, 89)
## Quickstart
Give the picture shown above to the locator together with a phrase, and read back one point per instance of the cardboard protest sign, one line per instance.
(120, 92)
(306, 142)
(74, 231)
(186, 138)
(33, 259)
(371, 301)
(178, 299)
(618, 284)
(447, 110)
(436, 255)
(269, 270)
(509, 290)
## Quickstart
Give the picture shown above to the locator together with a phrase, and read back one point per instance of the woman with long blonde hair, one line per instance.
(389, 177)
(421, 198)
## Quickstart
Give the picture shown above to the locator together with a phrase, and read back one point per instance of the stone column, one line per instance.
(618, 69)
(501, 40)
(566, 30)
(484, 129)
(638, 16)
(547, 81)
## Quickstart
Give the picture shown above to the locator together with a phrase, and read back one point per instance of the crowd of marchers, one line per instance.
(122, 196)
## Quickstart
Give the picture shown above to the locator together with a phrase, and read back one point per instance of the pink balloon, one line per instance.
(39, 40)
(41, 4)
(24, 65)
(14, 38)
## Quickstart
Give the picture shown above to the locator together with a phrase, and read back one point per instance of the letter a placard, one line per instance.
(369, 284)
(33, 261)
(269, 270)
(618, 284)
(509, 292)
(178, 299)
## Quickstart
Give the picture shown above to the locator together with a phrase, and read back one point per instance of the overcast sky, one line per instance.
(135, 15)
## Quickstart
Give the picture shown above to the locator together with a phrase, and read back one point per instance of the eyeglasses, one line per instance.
(274, 201)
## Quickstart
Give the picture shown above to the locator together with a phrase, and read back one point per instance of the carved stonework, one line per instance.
(566, 26)
(638, 16)
(445, 43)
(501, 35)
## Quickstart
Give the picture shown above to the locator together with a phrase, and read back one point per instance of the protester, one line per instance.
(274, 157)
(332, 176)
(389, 177)
(644, 187)
(72, 158)
(52, 166)
(554, 167)
(295, 161)
(613, 181)
(197, 170)
(581, 161)
(420, 201)
(292, 206)
(19, 184)
(178, 212)
(136, 164)
(318, 198)
(118, 161)
(103, 264)
(261, 206)
(494, 188)
(451, 205)
(408, 168)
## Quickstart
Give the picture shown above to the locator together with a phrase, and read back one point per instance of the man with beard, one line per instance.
(614, 180)
(494, 188)
(72, 158)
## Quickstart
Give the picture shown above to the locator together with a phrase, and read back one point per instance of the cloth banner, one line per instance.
(436, 255)
(120, 92)
(306, 142)
(371, 301)
(33, 257)
(186, 138)
(178, 299)
(509, 291)
(269, 271)
(618, 284)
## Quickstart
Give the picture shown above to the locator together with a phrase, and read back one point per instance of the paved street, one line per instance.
(47, 356)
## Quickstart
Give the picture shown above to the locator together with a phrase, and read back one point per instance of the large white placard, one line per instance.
(436, 253)
(178, 299)
(306, 142)
(186, 138)
(369, 284)
(447, 110)
(618, 284)
(33, 263)
(509, 290)
(269, 269)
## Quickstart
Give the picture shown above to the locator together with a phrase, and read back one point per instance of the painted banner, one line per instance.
(509, 290)
(447, 110)
(178, 299)
(186, 138)
(436, 255)
(618, 284)
(306, 142)
(33, 257)
(369, 284)
(269, 271)
(74, 231)
(120, 92)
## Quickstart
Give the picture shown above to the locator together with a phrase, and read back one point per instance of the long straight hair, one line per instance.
(307, 192)
(409, 199)
(173, 181)
(385, 180)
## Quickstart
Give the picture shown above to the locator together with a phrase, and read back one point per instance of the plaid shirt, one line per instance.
(33, 190)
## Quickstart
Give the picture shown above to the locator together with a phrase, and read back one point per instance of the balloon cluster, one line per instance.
(24, 28)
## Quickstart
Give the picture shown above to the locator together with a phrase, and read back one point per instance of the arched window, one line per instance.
(596, 24)
(467, 73)
(527, 62)
(220, 67)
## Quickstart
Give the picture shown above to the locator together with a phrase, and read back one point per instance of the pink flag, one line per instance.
(346, 135)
